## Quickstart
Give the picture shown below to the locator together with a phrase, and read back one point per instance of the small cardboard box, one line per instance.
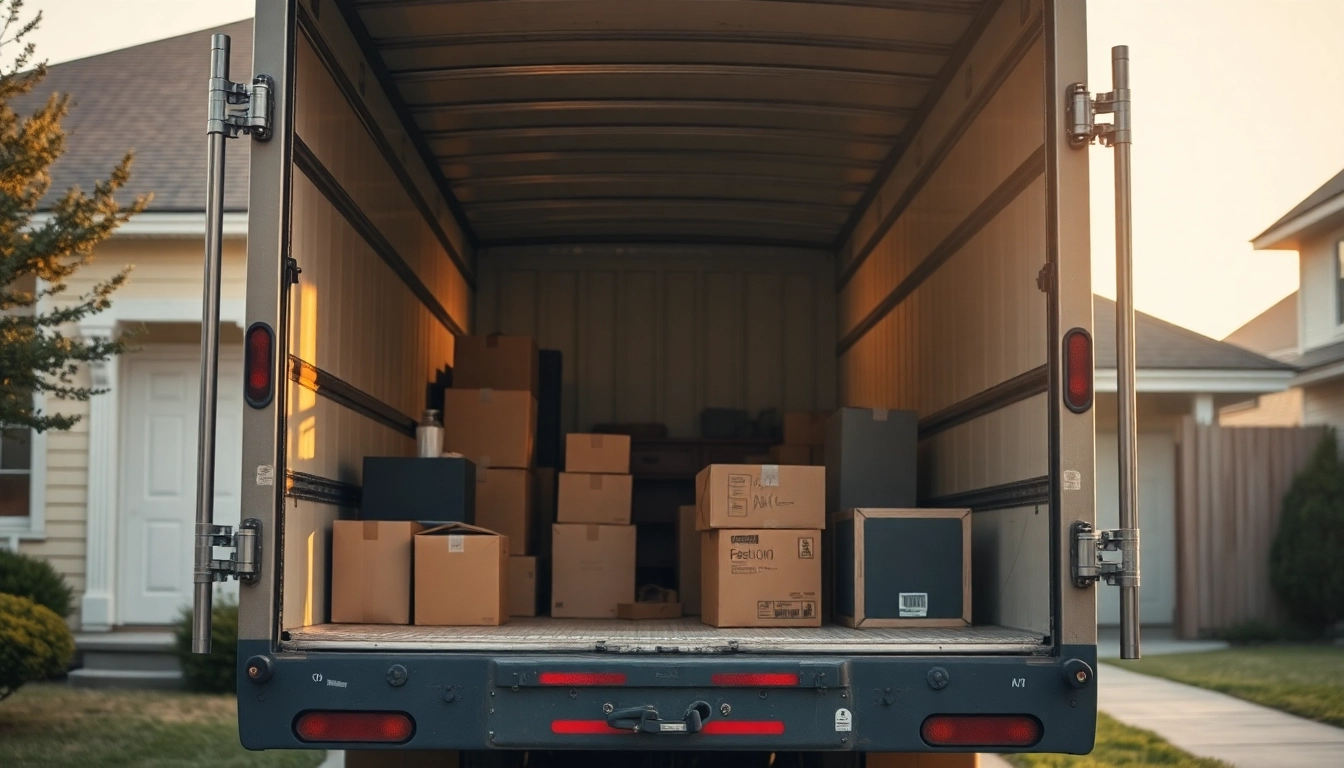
(760, 496)
(461, 577)
(640, 611)
(805, 428)
(688, 561)
(522, 586)
(496, 362)
(791, 454)
(432, 490)
(609, 454)
(902, 567)
(592, 570)
(761, 578)
(601, 499)
(504, 505)
(492, 427)
(871, 459)
(371, 571)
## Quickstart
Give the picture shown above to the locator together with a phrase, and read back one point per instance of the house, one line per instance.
(1315, 229)
(1272, 333)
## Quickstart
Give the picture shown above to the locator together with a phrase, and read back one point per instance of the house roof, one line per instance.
(1272, 333)
(1163, 345)
(151, 100)
(1323, 203)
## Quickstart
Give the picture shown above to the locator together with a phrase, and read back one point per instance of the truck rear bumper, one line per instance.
(755, 702)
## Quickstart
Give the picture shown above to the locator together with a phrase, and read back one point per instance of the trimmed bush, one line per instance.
(35, 643)
(36, 580)
(1306, 564)
(217, 672)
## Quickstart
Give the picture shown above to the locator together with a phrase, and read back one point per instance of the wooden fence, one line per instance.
(1230, 483)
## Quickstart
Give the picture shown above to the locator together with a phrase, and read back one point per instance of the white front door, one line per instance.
(158, 475)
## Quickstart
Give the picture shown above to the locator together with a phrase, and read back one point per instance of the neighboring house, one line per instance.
(1315, 229)
(1272, 333)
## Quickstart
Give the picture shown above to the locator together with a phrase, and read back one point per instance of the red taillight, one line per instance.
(586, 728)
(581, 678)
(260, 345)
(743, 727)
(981, 730)
(1078, 370)
(364, 727)
(754, 680)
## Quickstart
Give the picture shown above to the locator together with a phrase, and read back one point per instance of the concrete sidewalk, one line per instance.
(1215, 725)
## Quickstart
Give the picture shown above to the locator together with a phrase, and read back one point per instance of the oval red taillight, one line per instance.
(362, 727)
(259, 365)
(981, 730)
(1078, 370)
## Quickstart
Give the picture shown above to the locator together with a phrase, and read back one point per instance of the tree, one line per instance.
(1306, 565)
(38, 255)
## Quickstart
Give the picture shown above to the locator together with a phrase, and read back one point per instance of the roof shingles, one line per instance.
(1162, 345)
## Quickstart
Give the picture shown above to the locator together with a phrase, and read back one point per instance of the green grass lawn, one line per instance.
(1119, 745)
(1306, 680)
(53, 726)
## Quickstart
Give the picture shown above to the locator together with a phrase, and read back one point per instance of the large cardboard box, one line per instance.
(592, 570)
(761, 578)
(522, 586)
(871, 459)
(805, 428)
(688, 561)
(496, 362)
(371, 571)
(492, 427)
(608, 454)
(461, 576)
(504, 505)
(760, 496)
(902, 567)
(791, 454)
(590, 498)
(433, 490)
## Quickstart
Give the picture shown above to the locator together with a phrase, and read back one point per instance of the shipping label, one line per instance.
(786, 609)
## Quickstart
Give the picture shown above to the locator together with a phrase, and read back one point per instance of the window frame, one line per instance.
(33, 526)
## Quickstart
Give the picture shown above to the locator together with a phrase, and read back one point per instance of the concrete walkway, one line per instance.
(1215, 725)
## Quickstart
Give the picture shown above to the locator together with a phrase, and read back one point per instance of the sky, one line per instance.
(1236, 119)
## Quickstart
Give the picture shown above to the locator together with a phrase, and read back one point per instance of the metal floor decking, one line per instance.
(686, 635)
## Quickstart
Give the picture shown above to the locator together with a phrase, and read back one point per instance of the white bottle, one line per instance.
(429, 435)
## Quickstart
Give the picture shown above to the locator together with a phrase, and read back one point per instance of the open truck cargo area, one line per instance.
(758, 204)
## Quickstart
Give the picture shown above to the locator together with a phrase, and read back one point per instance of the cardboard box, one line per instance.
(601, 499)
(688, 561)
(871, 459)
(760, 496)
(504, 505)
(496, 362)
(522, 586)
(791, 454)
(371, 571)
(494, 428)
(640, 611)
(592, 570)
(761, 578)
(461, 576)
(423, 489)
(818, 455)
(608, 454)
(902, 567)
(805, 428)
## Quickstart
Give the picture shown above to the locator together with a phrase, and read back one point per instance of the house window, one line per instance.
(16, 472)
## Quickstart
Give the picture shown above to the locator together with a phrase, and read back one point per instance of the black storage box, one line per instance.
(871, 459)
(902, 567)
(426, 490)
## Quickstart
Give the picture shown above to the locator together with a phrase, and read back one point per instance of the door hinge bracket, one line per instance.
(1090, 567)
(238, 108)
(1083, 110)
(292, 271)
(244, 564)
(1045, 279)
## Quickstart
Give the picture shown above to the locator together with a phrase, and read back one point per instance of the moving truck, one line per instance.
(760, 204)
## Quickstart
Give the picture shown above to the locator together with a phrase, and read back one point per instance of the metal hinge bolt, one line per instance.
(1089, 566)
(244, 564)
(1083, 109)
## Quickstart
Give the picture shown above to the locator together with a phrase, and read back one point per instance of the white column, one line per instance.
(98, 607)
(1203, 411)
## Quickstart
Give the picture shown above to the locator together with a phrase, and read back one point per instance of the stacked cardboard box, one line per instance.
(804, 439)
(760, 544)
(593, 542)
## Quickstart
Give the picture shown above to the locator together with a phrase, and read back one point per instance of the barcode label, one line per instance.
(914, 605)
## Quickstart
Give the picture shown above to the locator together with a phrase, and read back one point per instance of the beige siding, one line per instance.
(1279, 409)
(1324, 404)
(1317, 291)
(659, 333)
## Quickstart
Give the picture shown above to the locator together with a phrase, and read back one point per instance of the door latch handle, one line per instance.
(646, 720)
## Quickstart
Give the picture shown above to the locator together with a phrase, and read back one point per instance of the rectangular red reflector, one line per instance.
(586, 728)
(743, 727)
(981, 730)
(363, 727)
(754, 680)
(581, 678)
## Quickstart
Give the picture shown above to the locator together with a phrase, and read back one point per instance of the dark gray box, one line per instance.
(902, 567)
(871, 459)
(429, 490)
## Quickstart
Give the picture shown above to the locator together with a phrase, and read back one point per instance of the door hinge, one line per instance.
(1089, 566)
(1045, 279)
(292, 271)
(244, 564)
(238, 108)
(1083, 109)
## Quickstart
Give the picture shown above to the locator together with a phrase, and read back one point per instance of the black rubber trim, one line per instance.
(975, 105)
(1007, 191)
(1092, 385)
(1001, 395)
(1021, 493)
(312, 167)
(329, 62)
(270, 365)
(346, 394)
(301, 485)
(1055, 146)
